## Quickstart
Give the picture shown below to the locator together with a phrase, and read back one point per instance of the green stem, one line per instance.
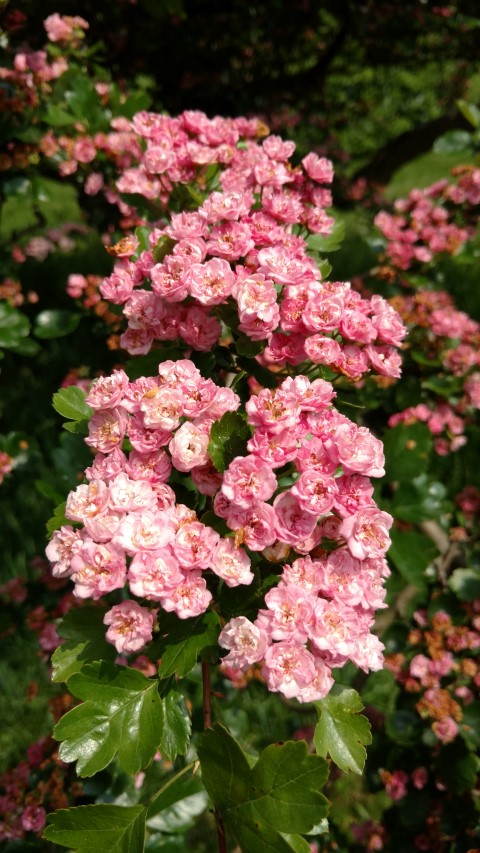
(190, 768)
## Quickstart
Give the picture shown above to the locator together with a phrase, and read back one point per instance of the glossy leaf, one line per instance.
(176, 728)
(465, 583)
(14, 326)
(419, 500)
(407, 451)
(453, 142)
(70, 403)
(101, 828)
(411, 552)
(58, 519)
(329, 243)
(186, 639)
(84, 632)
(228, 438)
(342, 732)
(56, 323)
(122, 715)
(266, 806)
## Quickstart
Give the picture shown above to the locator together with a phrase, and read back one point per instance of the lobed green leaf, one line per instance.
(101, 828)
(341, 731)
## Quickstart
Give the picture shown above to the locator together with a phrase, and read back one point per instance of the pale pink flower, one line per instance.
(98, 569)
(366, 532)
(315, 492)
(188, 447)
(318, 168)
(190, 598)
(293, 523)
(147, 530)
(232, 564)
(130, 628)
(107, 429)
(247, 481)
(446, 729)
(254, 526)
(153, 574)
(290, 613)
(246, 642)
(288, 669)
(194, 545)
(87, 501)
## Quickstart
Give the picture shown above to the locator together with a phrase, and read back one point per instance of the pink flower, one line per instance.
(130, 626)
(396, 784)
(188, 447)
(232, 564)
(366, 532)
(246, 642)
(446, 729)
(212, 282)
(289, 669)
(247, 481)
(33, 818)
(293, 522)
(318, 168)
(315, 492)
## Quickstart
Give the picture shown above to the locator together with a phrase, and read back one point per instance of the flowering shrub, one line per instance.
(238, 517)
(221, 508)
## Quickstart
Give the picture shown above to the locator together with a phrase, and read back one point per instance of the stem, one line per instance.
(222, 840)
(207, 724)
(190, 768)
(207, 696)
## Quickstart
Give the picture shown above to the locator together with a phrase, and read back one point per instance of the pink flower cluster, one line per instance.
(451, 337)
(64, 28)
(442, 421)
(244, 248)
(426, 223)
(134, 531)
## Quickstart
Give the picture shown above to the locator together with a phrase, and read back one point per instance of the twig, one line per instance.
(207, 724)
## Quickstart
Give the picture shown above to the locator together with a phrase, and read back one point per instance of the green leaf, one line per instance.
(341, 730)
(403, 727)
(264, 376)
(469, 111)
(185, 640)
(70, 403)
(465, 583)
(122, 715)
(411, 552)
(58, 519)
(84, 631)
(407, 450)
(453, 142)
(331, 243)
(179, 788)
(177, 727)
(266, 805)
(381, 690)
(228, 439)
(101, 828)
(163, 247)
(14, 326)
(57, 117)
(245, 346)
(469, 726)
(444, 386)
(458, 768)
(419, 500)
(56, 323)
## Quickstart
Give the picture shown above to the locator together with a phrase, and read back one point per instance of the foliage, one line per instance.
(82, 170)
